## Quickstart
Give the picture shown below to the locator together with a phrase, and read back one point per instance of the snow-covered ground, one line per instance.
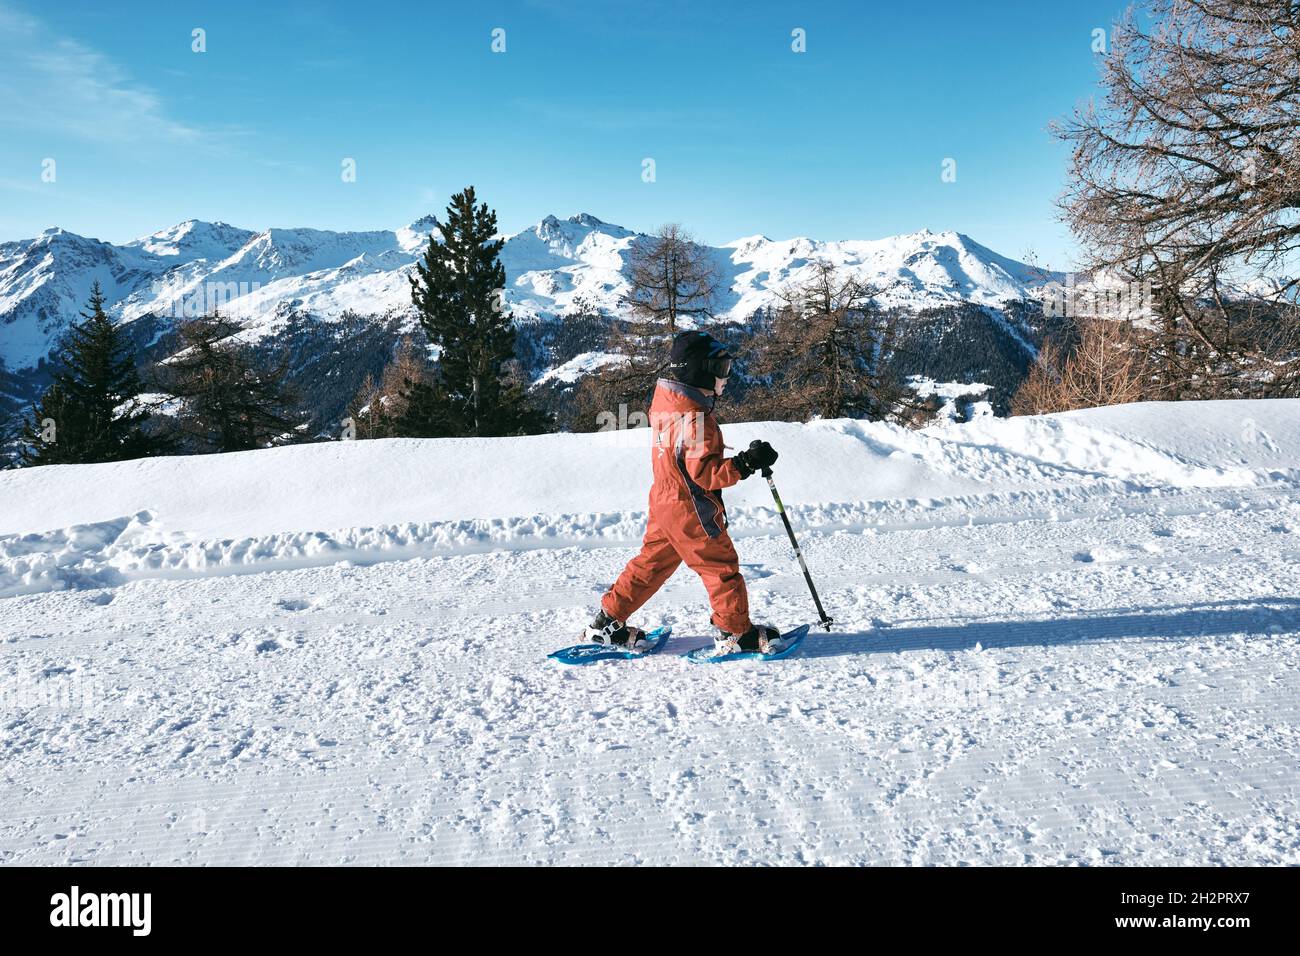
(959, 401)
(1068, 639)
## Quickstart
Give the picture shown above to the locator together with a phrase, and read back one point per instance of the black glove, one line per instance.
(758, 456)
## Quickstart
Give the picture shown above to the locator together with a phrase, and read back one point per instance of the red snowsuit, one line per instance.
(687, 521)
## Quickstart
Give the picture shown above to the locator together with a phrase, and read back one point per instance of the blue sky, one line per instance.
(846, 140)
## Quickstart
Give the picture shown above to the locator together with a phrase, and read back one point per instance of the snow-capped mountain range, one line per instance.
(559, 267)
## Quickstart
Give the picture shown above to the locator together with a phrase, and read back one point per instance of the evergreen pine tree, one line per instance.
(81, 416)
(457, 291)
(51, 417)
(10, 425)
(230, 399)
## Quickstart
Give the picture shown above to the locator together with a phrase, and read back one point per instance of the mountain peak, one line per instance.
(413, 238)
(553, 228)
(577, 228)
(584, 219)
(748, 242)
(194, 239)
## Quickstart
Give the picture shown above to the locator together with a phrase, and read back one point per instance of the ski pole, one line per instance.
(826, 619)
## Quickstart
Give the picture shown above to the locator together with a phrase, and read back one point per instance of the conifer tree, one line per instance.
(10, 424)
(230, 399)
(458, 292)
(38, 437)
(88, 413)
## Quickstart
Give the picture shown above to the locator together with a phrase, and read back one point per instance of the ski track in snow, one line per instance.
(1106, 680)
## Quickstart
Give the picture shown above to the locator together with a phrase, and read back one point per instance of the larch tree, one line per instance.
(823, 353)
(673, 283)
(1185, 180)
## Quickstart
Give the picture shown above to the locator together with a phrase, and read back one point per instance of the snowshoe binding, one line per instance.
(760, 638)
(607, 630)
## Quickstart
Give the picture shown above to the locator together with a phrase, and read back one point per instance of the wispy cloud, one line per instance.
(53, 84)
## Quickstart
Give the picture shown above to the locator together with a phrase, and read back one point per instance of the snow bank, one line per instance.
(380, 500)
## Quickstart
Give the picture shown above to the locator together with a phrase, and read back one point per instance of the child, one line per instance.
(687, 521)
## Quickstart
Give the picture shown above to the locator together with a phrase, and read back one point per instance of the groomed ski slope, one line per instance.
(1067, 639)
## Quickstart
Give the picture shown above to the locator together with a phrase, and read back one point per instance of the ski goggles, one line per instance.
(718, 366)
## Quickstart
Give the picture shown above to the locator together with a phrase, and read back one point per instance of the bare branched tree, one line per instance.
(1107, 366)
(1187, 177)
(377, 408)
(823, 354)
(671, 278)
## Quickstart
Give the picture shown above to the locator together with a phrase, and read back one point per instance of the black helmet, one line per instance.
(697, 359)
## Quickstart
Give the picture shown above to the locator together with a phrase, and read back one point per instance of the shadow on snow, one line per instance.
(1261, 616)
